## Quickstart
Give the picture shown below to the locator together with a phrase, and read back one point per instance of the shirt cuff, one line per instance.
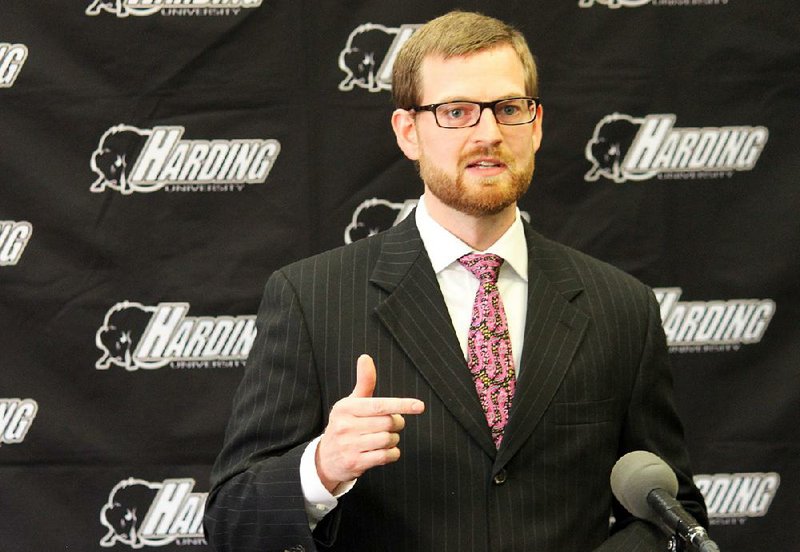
(319, 502)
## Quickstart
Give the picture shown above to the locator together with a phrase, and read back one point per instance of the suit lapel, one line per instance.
(553, 330)
(417, 317)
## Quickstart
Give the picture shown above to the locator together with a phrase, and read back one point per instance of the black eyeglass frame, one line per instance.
(483, 105)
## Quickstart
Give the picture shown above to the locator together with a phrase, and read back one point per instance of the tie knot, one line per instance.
(484, 266)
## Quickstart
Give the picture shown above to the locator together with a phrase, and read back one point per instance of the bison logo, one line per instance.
(609, 145)
(119, 8)
(119, 336)
(114, 158)
(125, 510)
(363, 56)
(369, 55)
(375, 215)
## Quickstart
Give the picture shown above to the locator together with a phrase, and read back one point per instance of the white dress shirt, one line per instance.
(459, 287)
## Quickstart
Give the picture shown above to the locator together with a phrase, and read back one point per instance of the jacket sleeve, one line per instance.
(256, 499)
(652, 424)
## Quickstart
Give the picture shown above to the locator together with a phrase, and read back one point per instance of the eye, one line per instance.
(510, 110)
(453, 112)
(457, 110)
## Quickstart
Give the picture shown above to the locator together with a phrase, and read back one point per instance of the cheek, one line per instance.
(444, 154)
(524, 147)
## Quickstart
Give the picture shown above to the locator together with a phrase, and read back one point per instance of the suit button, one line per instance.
(501, 477)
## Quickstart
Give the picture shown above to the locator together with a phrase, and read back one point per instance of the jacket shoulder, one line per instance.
(591, 274)
(360, 257)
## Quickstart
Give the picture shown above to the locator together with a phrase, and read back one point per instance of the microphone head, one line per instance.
(635, 475)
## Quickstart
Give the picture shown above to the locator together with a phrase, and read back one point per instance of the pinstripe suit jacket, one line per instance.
(594, 384)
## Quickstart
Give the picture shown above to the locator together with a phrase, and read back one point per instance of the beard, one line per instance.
(485, 196)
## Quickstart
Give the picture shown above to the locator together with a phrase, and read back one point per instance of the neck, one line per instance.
(477, 231)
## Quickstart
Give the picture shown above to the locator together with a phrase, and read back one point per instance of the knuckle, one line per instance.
(351, 464)
(376, 407)
(391, 455)
(398, 422)
(338, 426)
(383, 440)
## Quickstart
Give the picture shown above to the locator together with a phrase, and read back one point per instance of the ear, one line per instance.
(405, 130)
(537, 129)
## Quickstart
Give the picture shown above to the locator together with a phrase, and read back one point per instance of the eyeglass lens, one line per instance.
(514, 111)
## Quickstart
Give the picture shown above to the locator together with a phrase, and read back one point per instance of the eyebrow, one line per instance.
(455, 99)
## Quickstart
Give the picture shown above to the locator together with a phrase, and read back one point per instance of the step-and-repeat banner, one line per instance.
(160, 158)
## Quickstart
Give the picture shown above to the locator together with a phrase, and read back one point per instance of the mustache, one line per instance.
(473, 155)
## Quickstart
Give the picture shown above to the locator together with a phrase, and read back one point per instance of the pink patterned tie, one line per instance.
(489, 345)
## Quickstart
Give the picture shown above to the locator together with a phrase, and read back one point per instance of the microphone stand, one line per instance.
(687, 530)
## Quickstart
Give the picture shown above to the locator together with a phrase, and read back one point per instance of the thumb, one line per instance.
(365, 377)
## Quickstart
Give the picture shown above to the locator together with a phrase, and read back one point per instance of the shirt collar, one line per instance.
(444, 248)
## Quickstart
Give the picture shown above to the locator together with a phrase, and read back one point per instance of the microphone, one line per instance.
(646, 486)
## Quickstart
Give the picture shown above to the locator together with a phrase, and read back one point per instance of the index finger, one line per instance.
(382, 406)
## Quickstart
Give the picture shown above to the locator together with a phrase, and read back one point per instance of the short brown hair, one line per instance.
(456, 33)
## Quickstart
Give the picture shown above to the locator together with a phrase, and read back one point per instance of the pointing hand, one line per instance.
(363, 431)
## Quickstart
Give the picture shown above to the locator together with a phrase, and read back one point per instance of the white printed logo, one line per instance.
(706, 326)
(129, 159)
(369, 55)
(734, 497)
(614, 4)
(627, 148)
(124, 8)
(141, 513)
(14, 236)
(16, 417)
(375, 215)
(12, 58)
(136, 336)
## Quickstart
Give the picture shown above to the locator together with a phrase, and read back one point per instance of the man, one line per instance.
(514, 393)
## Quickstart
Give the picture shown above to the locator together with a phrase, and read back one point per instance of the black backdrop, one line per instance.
(159, 159)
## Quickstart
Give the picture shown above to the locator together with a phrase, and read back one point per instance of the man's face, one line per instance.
(479, 170)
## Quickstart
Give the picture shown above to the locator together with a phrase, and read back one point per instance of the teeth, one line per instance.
(486, 164)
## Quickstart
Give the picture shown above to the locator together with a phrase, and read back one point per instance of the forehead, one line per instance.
(485, 75)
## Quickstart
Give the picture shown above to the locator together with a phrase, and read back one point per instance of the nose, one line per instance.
(488, 129)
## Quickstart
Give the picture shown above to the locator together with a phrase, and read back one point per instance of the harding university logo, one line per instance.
(628, 148)
(711, 326)
(135, 336)
(14, 236)
(637, 3)
(12, 58)
(16, 417)
(613, 3)
(733, 498)
(141, 513)
(129, 159)
(124, 8)
(369, 55)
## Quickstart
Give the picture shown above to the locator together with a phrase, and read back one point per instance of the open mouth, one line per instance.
(487, 165)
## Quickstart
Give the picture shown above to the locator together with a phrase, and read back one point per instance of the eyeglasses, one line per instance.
(508, 111)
